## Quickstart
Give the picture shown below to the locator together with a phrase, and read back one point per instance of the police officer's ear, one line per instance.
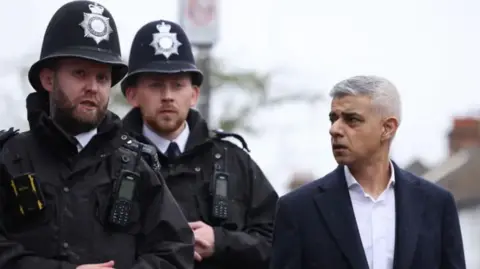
(131, 95)
(47, 76)
(195, 95)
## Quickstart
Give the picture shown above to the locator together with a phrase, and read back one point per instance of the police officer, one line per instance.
(75, 191)
(226, 198)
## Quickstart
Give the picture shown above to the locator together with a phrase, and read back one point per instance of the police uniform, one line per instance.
(62, 206)
(243, 218)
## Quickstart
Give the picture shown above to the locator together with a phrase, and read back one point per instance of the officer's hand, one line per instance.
(204, 240)
(97, 266)
(197, 256)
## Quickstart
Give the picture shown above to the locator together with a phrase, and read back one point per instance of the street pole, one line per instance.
(204, 56)
(199, 19)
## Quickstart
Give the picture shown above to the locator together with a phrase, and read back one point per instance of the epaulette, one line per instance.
(5, 135)
(145, 150)
(220, 134)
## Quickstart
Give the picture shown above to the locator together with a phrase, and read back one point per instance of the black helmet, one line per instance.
(81, 29)
(161, 47)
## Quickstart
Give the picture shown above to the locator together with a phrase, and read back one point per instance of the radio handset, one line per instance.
(123, 196)
(123, 199)
(220, 196)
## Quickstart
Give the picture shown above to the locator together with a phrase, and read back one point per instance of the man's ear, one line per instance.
(195, 95)
(47, 76)
(131, 95)
(390, 126)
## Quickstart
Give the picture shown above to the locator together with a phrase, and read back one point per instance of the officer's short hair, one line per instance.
(383, 93)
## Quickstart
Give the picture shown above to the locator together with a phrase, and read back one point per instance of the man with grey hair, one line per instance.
(367, 213)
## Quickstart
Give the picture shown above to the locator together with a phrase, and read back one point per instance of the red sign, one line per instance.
(201, 12)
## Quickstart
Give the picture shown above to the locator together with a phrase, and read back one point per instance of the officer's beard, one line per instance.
(63, 112)
(166, 128)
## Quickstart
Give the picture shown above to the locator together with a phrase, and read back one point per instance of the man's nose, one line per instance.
(336, 129)
(93, 84)
(167, 94)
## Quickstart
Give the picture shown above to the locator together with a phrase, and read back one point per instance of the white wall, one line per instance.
(470, 224)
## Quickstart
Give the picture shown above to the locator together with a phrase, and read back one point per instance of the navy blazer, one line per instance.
(315, 226)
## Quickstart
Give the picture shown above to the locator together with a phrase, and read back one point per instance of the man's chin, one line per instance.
(164, 126)
(167, 129)
(343, 160)
(86, 119)
(92, 120)
(88, 114)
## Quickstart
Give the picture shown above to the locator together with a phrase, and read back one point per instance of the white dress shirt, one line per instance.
(84, 138)
(162, 143)
(375, 221)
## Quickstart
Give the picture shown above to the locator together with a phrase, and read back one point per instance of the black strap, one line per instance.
(21, 161)
(128, 164)
(219, 165)
(220, 173)
(221, 160)
(24, 165)
(218, 134)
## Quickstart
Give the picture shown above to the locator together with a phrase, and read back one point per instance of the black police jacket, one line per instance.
(244, 239)
(73, 228)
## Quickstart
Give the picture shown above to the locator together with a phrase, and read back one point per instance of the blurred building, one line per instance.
(460, 174)
(416, 167)
(300, 178)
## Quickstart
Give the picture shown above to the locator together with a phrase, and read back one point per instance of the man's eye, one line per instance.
(353, 120)
(79, 73)
(102, 78)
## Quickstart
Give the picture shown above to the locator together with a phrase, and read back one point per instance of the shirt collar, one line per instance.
(162, 143)
(351, 181)
(84, 138)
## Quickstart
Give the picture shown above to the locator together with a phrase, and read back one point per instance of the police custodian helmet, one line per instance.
(161, 47)
(81, 29)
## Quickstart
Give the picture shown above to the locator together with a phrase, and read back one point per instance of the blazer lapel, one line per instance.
(409, 206)
(335, 206)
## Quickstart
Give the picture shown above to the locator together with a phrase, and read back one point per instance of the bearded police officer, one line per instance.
(226, 198)
(75, 191)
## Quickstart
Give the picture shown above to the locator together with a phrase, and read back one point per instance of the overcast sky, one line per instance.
(428, 48)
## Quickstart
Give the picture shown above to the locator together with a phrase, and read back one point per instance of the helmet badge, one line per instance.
(164, 42)
(96, 26)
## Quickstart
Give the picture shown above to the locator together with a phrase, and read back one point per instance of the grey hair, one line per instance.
(381, 91)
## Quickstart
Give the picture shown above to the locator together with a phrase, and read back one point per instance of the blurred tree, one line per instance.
(250, 84)
(20, 67)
